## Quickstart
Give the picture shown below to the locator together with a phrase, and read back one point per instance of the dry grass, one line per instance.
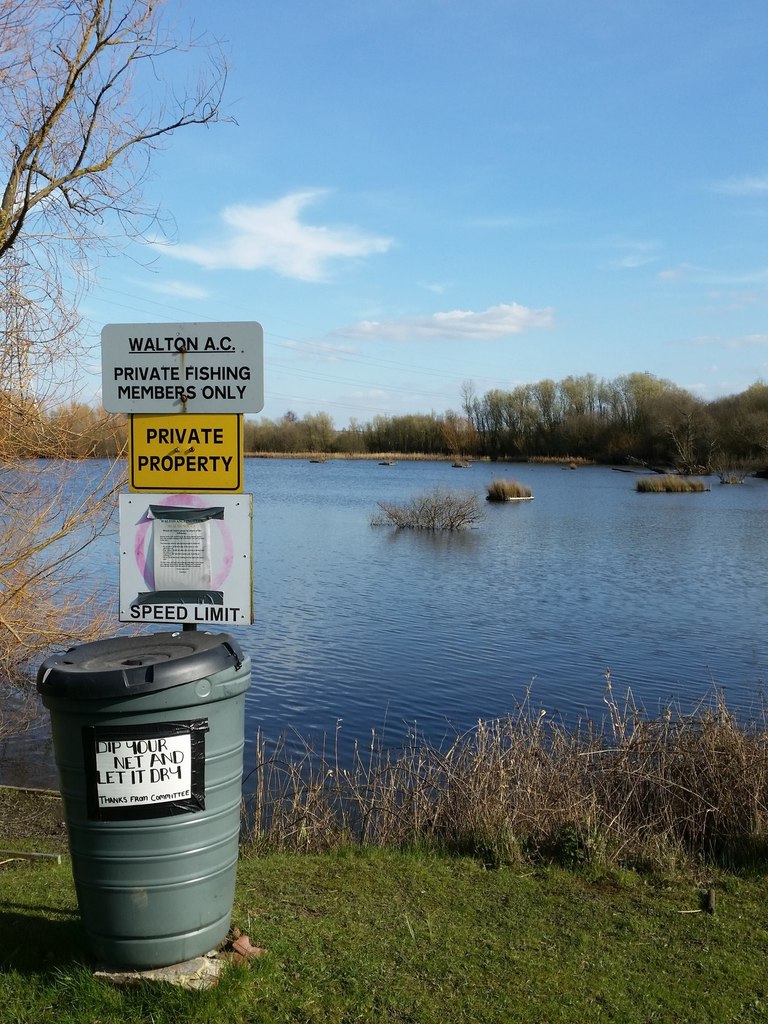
(572, 461)
(506, 490)
(734, 476)
(350, 456)
(31, 814)
(670, 485)
(659, 793)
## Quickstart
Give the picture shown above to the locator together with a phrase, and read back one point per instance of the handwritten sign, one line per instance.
(145, 771)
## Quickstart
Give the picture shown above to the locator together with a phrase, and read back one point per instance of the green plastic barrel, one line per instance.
(148, 740)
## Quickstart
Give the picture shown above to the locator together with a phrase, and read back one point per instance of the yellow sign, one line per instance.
(186, 453)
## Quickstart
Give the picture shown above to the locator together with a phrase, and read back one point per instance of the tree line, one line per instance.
(634, 418)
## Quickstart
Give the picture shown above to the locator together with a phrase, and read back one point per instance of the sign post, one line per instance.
(186, 552)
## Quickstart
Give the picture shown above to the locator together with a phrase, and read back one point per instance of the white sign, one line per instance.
(192, 368)
(143, 772)
(182, 555)
(186, 558)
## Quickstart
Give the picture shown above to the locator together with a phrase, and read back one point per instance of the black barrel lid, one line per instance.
(137, 664)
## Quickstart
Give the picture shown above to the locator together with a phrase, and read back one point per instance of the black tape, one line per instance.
(177, 513)
(179, 597)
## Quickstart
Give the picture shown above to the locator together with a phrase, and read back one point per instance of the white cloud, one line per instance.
(319, 350)
(715, 280)
(744, 341)
(636, 254)
(272, 237)
(704, 339)
(678, 273)
(748, 341)
(633, 261)
(437, 287)
(516, 223)
(177, 289)
(487, 325)
(747, 185)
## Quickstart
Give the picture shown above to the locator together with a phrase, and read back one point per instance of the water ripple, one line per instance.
(362, 628)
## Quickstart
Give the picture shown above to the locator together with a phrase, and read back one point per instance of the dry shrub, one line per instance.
(435, 510)
(44, 602)
(632, 790)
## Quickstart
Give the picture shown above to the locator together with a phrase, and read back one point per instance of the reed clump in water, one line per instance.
(657, 793)
(670, 485)
(572, 461)
(506, 490)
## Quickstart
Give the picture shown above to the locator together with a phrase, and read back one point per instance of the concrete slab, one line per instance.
(200, 973)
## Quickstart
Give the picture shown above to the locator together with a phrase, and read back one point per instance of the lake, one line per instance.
(362, 627)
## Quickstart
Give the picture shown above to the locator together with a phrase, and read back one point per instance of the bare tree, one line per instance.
(89, 89)
(458, 433)
(82, 106)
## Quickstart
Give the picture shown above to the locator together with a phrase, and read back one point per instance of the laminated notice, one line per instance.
(182, 547)
(182, 553)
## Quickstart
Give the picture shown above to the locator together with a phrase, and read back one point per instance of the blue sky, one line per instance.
(418, 193)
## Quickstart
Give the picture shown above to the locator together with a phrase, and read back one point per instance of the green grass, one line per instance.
(382, 936)
(670, 485)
